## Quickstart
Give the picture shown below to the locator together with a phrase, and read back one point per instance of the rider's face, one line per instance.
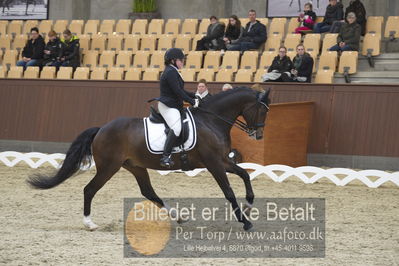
(179, 63)
(201, 88)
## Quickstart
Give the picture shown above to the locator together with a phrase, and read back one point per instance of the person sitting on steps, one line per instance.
(171, 100)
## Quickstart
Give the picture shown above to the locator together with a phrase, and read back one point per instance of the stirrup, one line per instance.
(166, 161)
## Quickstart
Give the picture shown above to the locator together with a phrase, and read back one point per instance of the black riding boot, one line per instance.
(166, 160)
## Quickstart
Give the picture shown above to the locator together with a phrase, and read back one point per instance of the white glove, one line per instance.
(196, 103)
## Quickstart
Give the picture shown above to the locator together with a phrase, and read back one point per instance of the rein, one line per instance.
(238, 123)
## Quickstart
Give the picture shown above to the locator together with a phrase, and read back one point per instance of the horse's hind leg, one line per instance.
(105, 170)
(235, 169)
(144, 182)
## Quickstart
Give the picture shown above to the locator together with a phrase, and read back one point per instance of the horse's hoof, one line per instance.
(248, 226)
(89, 223)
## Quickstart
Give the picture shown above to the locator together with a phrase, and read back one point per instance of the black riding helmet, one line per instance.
(173, 54)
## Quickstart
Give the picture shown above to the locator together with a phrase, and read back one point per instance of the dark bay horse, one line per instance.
(121, 143)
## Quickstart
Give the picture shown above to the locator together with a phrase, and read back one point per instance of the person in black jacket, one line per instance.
(233, 32)
(70, 50)
(213, 39)
(171, 100)
(32, 54)
(52, 50)
(303, 65)
(253, 37)
(334, 12)
(280, 69)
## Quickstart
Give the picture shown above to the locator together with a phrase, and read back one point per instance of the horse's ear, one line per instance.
(265, 97)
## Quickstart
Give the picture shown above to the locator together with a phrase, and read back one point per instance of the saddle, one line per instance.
(157, 118)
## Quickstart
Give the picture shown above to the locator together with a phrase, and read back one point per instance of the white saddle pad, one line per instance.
(155, 136)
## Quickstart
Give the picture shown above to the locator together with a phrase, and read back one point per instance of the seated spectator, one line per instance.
(303, 65)
(253, 37)
(214, 36)
(307, 19)
(279, 71)
(349, 35)
(32, 54)
(334, 12)
(233, 32)
(202, 90)
(357, 7)
(227, 87)
(70, 50)
(52, 50)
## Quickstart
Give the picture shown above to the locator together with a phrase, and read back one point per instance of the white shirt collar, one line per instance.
(205, 93)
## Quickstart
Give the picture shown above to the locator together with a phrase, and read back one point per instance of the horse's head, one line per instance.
(255, 114)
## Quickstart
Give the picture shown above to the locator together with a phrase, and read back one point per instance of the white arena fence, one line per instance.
(339, 176)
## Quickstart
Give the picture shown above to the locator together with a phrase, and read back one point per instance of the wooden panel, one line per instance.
(285, 140)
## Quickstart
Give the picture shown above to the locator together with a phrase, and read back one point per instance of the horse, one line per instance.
(121, 143)
(30, 2)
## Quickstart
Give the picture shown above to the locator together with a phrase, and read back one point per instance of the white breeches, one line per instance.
(171, 116)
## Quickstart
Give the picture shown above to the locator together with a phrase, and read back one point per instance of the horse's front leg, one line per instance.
(217, 169)
(235, 169)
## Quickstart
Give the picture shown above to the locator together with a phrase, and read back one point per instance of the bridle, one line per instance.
(249, 129)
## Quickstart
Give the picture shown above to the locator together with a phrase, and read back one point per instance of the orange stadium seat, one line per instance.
(230, 60)
(172, 27)
(328, 61)
(148, 43)
(374, 24)
(81, 73)
(330, 39)
(5, 42)
(151, 74)
(392, 27)
(273, 42)
(60, 25)
(133, 74)
(76, 27)
(189, 26)
(132, 43)
(10, 57)
(115, 73)
(258, 75)
(224, 75)
(155, 27)
(123, 26)
(264, 21)
(32, 72)
(141, 59)
(29, 24)
(19, 42)
(107, 26)
(140, 26)
(291, 41)
(244, 21)
(124, 59)
(195, 40)
(107, 59)
(3, 27)
(203, 26)
(348, 60)
(324, 76)
(206, 74)
(212, 60)
(243, 75)
(115, 42)
(266, 59)
(84, 42)
(249, 60)
(277, 26)
(15, 27)
(292, 25)
(371, 44)
(312, 42)
(65, 73)
(48, 72)
(157, 60)
(183, 42)
(91, 26)
(98, 73)
(165, 42)
(90, 59)
(194, 60)
(45, 26)
(15, 72)
(98, 42)
(188, 74)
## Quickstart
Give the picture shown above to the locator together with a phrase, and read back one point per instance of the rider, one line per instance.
(171, 101)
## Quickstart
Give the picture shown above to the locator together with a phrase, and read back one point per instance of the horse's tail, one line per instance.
(79, 153)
